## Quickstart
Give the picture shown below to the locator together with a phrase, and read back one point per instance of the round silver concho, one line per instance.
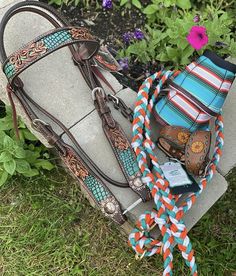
(109, 206)
(136, 183)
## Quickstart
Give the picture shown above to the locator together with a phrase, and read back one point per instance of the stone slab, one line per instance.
(6, 3)
(214, 190)
(228, 159)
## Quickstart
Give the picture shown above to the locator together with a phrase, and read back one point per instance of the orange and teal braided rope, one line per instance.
(167, 215)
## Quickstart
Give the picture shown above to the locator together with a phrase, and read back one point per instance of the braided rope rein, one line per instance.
(167, 215)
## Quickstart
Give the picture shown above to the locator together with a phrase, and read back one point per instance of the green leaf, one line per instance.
(171, 52)
(137, 4)
(150, 9)
(6, 123)
(183, 4)
(45, 164)
(3, 177)
(31, 173)
(22, 166)
(123, 2)
(28, 135)
(163, 57)
(2, 135)
(5, 156)
(8, 142)
(10, 166)
(19, 152)
(31, 156)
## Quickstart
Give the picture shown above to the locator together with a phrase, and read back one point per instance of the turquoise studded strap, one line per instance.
(98, 193)
(44, 45)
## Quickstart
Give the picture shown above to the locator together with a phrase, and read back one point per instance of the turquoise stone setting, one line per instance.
(96, 188)
(55, 40)
(9, 70)
(128, 161)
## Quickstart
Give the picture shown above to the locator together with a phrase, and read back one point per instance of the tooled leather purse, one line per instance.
(195, 96)
(86, 53)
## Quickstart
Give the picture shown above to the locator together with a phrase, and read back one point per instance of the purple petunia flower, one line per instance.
(128, 36)
(196, 19)
(107, 4)
(124, 63)
(138, 34)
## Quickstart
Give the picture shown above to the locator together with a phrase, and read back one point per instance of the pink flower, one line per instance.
(197, 37)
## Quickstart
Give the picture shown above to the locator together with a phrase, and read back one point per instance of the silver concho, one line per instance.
(109, 206)
(136, 183)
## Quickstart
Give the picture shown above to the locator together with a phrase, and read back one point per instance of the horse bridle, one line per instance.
(83, 48)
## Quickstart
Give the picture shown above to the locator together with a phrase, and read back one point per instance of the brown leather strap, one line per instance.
(176, 135)
(196, 152)
(46, 44)
(170, 150)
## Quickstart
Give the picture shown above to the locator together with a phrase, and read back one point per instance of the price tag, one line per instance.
(180, 182)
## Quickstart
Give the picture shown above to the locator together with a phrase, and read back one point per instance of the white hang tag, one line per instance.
(175, 174)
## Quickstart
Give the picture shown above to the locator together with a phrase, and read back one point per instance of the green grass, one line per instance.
(48, 228)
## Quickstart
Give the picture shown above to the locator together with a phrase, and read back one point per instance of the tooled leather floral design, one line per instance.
(76, 166)
(28, 54)
(197, 147)
(183, 137)
(81, 33)
(119, 139)
(101, 60)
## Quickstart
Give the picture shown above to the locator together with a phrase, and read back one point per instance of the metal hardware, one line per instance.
(35, 122)
(119, 104)
(96, 90)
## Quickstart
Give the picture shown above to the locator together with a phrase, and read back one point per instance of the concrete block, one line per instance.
(228, 159)
(6, 3)
(214, 190)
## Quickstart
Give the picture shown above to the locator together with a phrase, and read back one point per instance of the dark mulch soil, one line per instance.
(109, 26)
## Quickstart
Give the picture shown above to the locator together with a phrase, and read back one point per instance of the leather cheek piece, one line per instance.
(197, 151)
(177, 136)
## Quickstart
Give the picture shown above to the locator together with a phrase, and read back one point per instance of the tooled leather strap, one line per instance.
(172, 141)
(120, 146)
(177, 135)
(44, 45)
(196, 152)
(93, 185)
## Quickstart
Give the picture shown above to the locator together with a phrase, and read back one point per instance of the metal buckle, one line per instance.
(114, 99)
(35, 122)
(98, 89)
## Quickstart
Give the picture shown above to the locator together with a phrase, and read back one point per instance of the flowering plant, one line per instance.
(175, 38)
